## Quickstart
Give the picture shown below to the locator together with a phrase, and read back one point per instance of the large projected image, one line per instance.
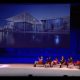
(35, 25)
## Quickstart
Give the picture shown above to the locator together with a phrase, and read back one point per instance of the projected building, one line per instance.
(25, 30)
(57, 25)
(24, 22)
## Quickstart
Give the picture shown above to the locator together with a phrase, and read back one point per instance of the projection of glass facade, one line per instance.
(58, 25)
(26, 30)
(24, 22)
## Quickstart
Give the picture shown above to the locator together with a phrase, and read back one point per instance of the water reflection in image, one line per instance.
(34, 40)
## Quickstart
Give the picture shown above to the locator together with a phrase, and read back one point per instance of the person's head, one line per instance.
(49, 57)
(56, 58)
(41, 57)
(70, 57)
(62, 57)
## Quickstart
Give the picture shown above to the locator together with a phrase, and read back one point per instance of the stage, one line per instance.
(28, 69)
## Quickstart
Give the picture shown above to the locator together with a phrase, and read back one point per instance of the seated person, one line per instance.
(62, 62)
(78, 64)
(70, 60)
(49, 61)
(40, 61)
(54, 62)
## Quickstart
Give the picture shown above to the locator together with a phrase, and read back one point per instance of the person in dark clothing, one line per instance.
(70, 61)
(49, 61)
(62, 62)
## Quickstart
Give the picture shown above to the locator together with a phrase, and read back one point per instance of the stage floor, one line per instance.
(28, 69)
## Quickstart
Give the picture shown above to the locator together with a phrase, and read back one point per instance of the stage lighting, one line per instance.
(57, 39)
(3, 66)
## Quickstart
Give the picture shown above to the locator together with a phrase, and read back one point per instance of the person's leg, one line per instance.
(35, 63)
(51, 64)
(60, 65)
(67, 65)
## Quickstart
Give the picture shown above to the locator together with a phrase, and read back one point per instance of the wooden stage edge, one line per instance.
(29, 69)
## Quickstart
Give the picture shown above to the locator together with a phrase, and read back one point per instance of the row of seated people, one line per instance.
(51, 63)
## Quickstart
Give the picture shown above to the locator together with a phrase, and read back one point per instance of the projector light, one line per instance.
(57, 39)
